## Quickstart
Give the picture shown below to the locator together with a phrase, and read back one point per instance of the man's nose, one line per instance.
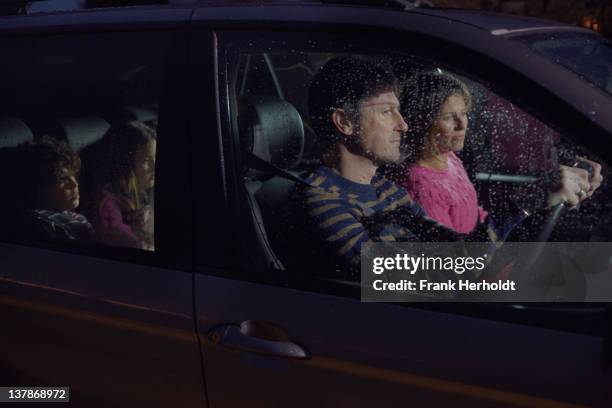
(401, 126)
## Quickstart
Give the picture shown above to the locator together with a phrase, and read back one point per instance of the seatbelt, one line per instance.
(257, 163)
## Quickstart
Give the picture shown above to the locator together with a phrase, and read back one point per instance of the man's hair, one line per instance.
(421, 101)
(343, 83)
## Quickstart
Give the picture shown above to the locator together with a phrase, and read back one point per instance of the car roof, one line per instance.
(490, 21)
(113, 17)
(495, 23)
(499, 23)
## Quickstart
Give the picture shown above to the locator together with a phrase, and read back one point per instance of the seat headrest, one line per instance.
(83, 131)
(272, 129)
(13, 131)
(141, 114)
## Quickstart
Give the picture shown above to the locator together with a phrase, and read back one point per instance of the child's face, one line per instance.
(144, 166)
(62, 193)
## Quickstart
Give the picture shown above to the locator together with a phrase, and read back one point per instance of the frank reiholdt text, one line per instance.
(462, 285)
(458, 265)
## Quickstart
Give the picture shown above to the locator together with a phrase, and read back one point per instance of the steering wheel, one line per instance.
(574, 284)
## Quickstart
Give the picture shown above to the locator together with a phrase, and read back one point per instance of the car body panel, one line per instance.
(364, 354)
(116, 333)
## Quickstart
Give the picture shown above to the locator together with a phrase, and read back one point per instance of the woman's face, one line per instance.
(448, 131)
(144, 166)
(61, 194)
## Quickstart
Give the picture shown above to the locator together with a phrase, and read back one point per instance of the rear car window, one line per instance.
(78, 124)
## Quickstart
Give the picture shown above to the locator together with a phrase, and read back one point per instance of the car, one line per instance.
(212, 314)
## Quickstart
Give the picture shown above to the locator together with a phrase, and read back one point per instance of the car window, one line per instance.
(588, 55)
(78, 125)
(505, 150)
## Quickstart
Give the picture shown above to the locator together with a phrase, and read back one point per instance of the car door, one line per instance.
(114, 324)
(273, 337)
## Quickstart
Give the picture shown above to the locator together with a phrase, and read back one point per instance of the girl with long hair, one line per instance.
(122, 211)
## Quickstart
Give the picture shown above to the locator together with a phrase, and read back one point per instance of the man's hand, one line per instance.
(596, 177)
(575, 185)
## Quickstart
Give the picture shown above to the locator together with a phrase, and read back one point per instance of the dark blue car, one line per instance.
(207, 312)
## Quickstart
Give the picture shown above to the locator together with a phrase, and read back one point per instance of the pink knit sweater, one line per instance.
(110, 223)
(447, 196)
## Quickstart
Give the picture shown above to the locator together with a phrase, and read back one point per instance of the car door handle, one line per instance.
(257, 337)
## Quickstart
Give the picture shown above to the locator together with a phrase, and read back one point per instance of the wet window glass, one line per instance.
(588, 55)
(465, 155)
(78, 124)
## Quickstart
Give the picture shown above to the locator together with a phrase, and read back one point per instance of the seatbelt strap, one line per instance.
(257, 163)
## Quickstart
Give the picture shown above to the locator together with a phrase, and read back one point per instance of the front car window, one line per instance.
(586, 54)
(504, 150)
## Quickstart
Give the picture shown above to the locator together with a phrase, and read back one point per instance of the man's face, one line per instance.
(380, 128)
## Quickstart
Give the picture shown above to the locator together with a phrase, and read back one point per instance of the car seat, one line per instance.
(141, 113)
(271, 129)
(14, 131)
(83, 131)
(145, 113)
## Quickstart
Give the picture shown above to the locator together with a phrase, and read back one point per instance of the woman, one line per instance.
(42, 191)
(122, 199)
(436, 106)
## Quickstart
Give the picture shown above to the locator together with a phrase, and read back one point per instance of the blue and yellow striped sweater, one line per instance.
(336, 207)
(327, 224)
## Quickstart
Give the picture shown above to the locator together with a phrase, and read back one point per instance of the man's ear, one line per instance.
(342, 122)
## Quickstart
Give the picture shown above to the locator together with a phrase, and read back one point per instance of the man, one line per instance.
(355, 113)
